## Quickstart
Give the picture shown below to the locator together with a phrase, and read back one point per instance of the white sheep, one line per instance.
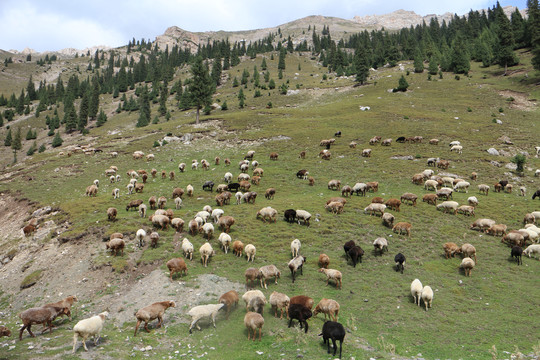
(225, 241)
(202, 311)
(254, 164)
(178, 203)
(360, 188)
(194, 165)
(448, 206)
(431, 185)
(454, 143)
(375, 208)
(181, 167)
(295, 247)
(142, 210)
(532, 249)
(133, 181)
(89, 327)
(208, 230)
(205, 215)
(457, 148)
(253, 294)
(238, 197)
(116, 193)
(304, 216)
(96, 182)
(462, 185)
(537, 173)
(380, 244)
(112, 179)
(428, 173)
(117, 178)
(332, 274)
(427, 296)
(416, 290)
(139, 236)
(206, 251)
(250, 252)
(187, 248)
(130, 188)
(216, 214)
(228, 177)
(473, 201)
(537, 149)
(207, 208)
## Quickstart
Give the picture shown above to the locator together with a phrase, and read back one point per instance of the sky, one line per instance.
(49, 25)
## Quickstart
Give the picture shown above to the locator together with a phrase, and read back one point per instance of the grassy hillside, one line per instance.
(489, 315)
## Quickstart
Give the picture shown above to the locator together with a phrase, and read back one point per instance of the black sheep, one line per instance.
(233, 187)
(516, 253)
(290, 215)
(400, 139)
(208, 185)
(356, 253)
(400, 261)
(338, 134)
(301, 173)
(536, 194)
(300, 313)
(333, 331)
(348, 246)
(503, 183)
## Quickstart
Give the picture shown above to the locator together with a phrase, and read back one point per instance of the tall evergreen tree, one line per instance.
(16, 144)
(57, 140)
(290, 46)
(459, 56)
(144, 107)
(433, 67)
(70, 118)
(216, 71)
(31, 90)
(241, 98)
(93, 104)
(263, 64)
(19, 108)
(122, 83)
(504, 48)
(361, 66)
(83, 110)
(418, 61)
(9, 139)
(201, 87)
(164, 92)
(102, 118)
(533, 25)
(281, 61)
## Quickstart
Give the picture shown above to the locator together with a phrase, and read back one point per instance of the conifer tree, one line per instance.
(504, 48)
(57, 140)
(101, 119)
(533, 25)
(163, 99)
(122, 83)
(241, 98)
(144, 107)
(402, 84)
(263, 64)
(433, 67)
(31, 90)
(281, 61)
(216, 71)
(16, 144)
(93, 104)
(200, 88)
(290, 47)
(418, 61)
(8, 140)
(459, 56)
(83, 111)
(361, 66)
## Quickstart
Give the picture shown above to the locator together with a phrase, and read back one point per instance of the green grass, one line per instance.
(470, 315)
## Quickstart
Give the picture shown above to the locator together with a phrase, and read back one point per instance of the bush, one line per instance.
(469, 109)
(224, 106)
(402, 85)
(457, 77)
(41, 148)
(57, 141)
(429, 77)
(519, 160)
(164, 142)
(324, 77)
(510, 99)
(257, 94)
(156, 144)
(269, 105)
(501, 110)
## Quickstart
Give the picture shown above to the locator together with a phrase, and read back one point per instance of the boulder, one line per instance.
(493, 151)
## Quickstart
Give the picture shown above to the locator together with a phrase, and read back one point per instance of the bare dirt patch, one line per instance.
(520, 102)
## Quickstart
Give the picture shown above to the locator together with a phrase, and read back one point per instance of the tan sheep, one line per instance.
(280, 301)
(327, 307)
(176, 265)
(152, 312)
(254, 321)
(332, 274)
(467, 264)
(229, 298)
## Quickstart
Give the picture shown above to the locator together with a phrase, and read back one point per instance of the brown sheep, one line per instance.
(302, 300)
(256, 180)
(144, 178)
(162, 201)
(229, 298)
(4, 331)
(66, 304)
(177, 192)
(91, 190)
(377, 200)
(311, 181)
(39, 315)
(251, 274)
(327, 307)
(334, 185)
(269, 194)
(111, 214)
(274, 156)
(134, 204)
(152, 202)
(401, 227)
(152, 312)
(163, 174)
(254, 321)
(393, 204)
(154, 173)
(337, 199)
(324, 261)
(334, 207)
(176, 265)
(171, 175)
(302, 155)
(409, 198)
(430, 199)
(154, 238)
(244, 185)
(116, 245)
(346, 191)
(450, 249)
(497, 230)
(238, 248)
(469, 251)
(225, 223)
(418, 179)
(29, 229)
(372, 186)
(193, 227)
(139, 188)
(227, 161)
(216, 160)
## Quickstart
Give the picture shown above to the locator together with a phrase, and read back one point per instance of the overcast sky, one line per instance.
(57, 24)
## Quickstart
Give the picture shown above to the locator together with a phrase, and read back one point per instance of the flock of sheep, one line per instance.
(298, 307)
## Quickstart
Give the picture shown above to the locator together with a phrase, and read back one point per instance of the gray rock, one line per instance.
(511, 166)
(406, 157)
(493, 151)
(498, 122)
(495, 163)
(171, 138)
(187, 137)
(43, 211)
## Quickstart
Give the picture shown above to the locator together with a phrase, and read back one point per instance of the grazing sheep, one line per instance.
(152, 312)
(472, 201)
(206, 251)
(88, 327)
(427, 296)
(66, 304)
(193, 227)
(377, 200)
(444, 194)
(402, 227)
(386, 142)
(360, 188)
(380, 244)
(228, 299)
(483, 189)
(450, 249)
(228, 177)
(116, 193)
(469, 251)
(208, 230)
(467, 264)
(482, 224)
(296, 264)
(208, 185)
(409, 198)
(176, 265)
(39, 315)
(267, 213)
(327, 307)
(466, 210)
(355, 253)
(142, 210)
(225, 223)
(334, 207)
(399, 259)
(532, 249)
(4, 331)
(514, 238)
(431, 185)
(116, 245)
(269, 194)
(250, 252)
(280, 301)
(133, 204)
(333, 331)
(254, 321)
(448, 206)
(324, 261)
(304, 216)
(162, 201)
(187, 248)
(139, 237)
(251, 274)
(290, 215)
(462, 185)
(254, 299)
(267, 272)
(302, 174)
(332, 274)
(388, 220)
(300, 313)
(536, 194)
(202, 311)
(111, 214)
(334, 185)
(430, 199)
(225, 241)
(517, 251)
(374, 208)
(238, 248)
(295, 247)
(416, 291)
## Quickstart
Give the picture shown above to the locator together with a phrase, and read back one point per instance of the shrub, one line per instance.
(224, 106)
(519, 160)
(156, 144)
(469, 109)
(510, 99)
(457, 77)
(269, 105)
(57, 141)
(324, 77)
(41, 148)
(402, 85)
(501, 110)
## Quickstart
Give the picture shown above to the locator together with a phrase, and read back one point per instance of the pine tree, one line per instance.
(32, 149)
(70, 118)
(8, 140)
(459, 56)
(433, 67)
(163, 100)
(93, 104)
(57, 140)
(418, 62)
(271, 84)
(402, 84)
(29, 134)
(31, 90)
(245, 77)
(263, 64)
(290, 47)
(361, 66)
(83, 111)
(534, 29)
(235, 82)
(1, 120)
(102, 118)
(216, 71)
(122, 83)
(144, 107)
(16, 144)
(281, 61)
(20, 104)
(241, 98)
(201, 86)
(504, 48)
